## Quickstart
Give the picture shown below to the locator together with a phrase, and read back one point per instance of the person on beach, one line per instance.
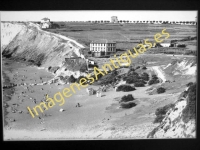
(78, 105)
(98, 94)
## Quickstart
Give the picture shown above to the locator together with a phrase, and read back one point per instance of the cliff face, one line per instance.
(182, 67)
(28, 42)
(179, 121)
(8, 32)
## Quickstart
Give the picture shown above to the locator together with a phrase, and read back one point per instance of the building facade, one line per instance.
(102, 48)
(45, 23)
(114, 19)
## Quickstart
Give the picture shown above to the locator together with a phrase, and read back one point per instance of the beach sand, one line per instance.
(97, 118)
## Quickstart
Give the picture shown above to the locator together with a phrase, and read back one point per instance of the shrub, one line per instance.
(127, 98)
(83, 68)
(131, 80)
(189, 112)
(189, 84)
(145, 78)
(124, 78)
(160, 90)
(78, 79)
(137, 67)
(71, 79)
(109, 78)
(127, 104)
(144, 67)
(49, 68)
(159, 119)
(114, 73)
(145, 74)
(132, 69)
(125, 88)
(154, 77)
(183, 94)
(142, 81)
(156, 81)
(153, 81)
(161, 112)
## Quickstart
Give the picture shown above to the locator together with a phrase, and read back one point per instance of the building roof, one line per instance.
(102, 41)
(165, 43)
(49, 23)
(45, 19)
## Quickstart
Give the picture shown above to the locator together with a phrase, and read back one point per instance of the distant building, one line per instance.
(165, 44)
(114, 19)
(45, 23)
(102, 48)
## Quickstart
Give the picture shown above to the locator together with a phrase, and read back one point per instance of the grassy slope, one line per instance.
(126, 35)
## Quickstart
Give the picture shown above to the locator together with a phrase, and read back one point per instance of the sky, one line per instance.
(131, 15)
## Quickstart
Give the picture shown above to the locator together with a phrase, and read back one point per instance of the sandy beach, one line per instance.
(38, 62)
(97, 118)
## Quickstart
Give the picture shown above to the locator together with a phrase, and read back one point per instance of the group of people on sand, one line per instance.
(102, 88)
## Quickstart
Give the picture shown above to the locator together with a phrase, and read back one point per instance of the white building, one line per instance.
(165, 44)
(45, 23)
(102, 48)
(114, 19)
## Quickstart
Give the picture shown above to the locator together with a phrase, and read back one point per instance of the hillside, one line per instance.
(26, 41)
(126, 35)
(179, 120)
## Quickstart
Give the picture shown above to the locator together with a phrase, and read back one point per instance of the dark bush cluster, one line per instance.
(131, 80)
(154, 77)
(183, 94)
(78, 79)
(71, 79)
(160, 90)
(109, 78)
(125, 78)
(189, 112)
(132, 69)
(137, 67)
(125, 88)
(144, 67)
(64, 79)
(154, 80)
(83, 68)
(144, 76)
(189, 84)
(161, 112)
(127, 98)
(138, 80)
(127, 104)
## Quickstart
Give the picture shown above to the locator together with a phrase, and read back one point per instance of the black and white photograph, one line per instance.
(99, 74)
